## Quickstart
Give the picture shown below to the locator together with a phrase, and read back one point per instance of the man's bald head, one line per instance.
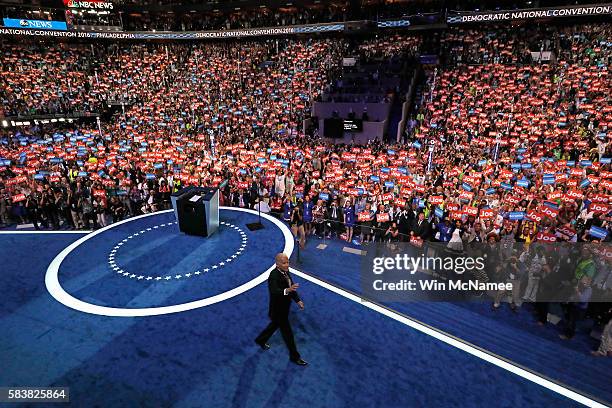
(282, 262)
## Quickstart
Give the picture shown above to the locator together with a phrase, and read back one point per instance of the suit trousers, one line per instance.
(286, 332)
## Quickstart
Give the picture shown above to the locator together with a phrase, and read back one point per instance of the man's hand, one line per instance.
(293, 287)
(301, 305)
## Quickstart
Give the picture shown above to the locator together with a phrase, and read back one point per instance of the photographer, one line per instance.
(576, 309)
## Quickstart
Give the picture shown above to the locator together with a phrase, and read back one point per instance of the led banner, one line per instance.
(193, 35)
(458, 17)
(89, 4)
(40, 24)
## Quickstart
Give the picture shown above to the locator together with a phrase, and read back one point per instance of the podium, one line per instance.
(197, 210)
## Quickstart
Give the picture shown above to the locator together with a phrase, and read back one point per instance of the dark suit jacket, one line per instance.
(236, 200)
(421, 230)
(279, 303)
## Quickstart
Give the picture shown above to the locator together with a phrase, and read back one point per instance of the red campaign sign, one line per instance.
(560, 177)
(594, 179)
(555, 195)
(545, 237)
(512, 200)
(316, 174)
(420, 189)
(607, 184)
(471, 211)
(382, 217)
(387, 197)
(572, 183)
(568, 232)
(416, 241)
(534, 216)
(487, 214)
(363, 216)
(19, 197)
(456, 215)
(452, 207)
(573, 194)
(466, 195)
(600, 208)
(400, 202)
(99, 193)
(600, 198)
(550, 212)
(436, 200)
(108, 183)
(576, 172)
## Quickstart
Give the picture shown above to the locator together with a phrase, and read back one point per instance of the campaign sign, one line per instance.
(598, 232)
(516, 215)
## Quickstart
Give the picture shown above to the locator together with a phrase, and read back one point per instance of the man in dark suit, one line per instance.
(241, 199)
(420, 227)
(282, 292)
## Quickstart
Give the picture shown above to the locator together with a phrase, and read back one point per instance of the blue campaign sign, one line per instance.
(375, 178)
(523, 183)
(82, 174)
(585, 183)
(606, 160)
(466, 187)
(439, 212)
(586, 163)
(549, 179)
(324, 196)
(158, 165)
(526, 165)
(389, 184)
(516, 215)
(35, 24)
(490, 191)
(385, 170)
(416, 144)
(570, 163)
(150, 176)
(598, 232)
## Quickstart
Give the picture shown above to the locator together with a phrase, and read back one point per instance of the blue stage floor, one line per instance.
(206, 357)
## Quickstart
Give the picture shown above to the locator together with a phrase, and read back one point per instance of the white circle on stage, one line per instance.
(57, 291)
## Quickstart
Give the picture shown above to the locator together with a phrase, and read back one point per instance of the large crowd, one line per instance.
(505, 149)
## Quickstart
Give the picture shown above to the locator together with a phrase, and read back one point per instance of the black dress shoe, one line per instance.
(264, 346)
(300, 362)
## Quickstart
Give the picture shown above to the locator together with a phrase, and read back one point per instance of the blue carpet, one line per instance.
(512, 336)
(206, 357)
(164, 252)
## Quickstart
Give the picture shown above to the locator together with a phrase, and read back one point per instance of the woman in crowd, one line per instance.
(297, 225)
